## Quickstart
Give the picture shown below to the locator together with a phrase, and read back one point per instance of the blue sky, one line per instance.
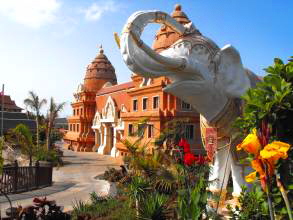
(45, 45)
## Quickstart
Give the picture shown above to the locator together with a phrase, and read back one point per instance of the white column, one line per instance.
(101, 136)
(114, 149)
(103, 145)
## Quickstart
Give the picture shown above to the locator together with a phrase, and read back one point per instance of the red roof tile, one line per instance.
(115, 88)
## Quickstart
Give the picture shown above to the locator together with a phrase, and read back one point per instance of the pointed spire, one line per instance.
(101, 49)
(179, 15)
(177, 7)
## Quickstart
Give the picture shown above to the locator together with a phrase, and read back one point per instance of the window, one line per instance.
(73, 127)
(130, 130)
(77, 127)
(185, 106)
(150, 131)
(77, 111)
(73, 111)
(135, 105)
(155, 102)
(189, 132)
(70, 127)
(140, 130)
(144, 104)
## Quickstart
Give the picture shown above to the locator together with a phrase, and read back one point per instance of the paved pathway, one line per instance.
(74, 181)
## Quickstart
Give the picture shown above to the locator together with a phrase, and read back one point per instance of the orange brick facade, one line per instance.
(104, 112)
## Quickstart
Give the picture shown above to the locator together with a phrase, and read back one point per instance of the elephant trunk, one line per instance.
(138, 56)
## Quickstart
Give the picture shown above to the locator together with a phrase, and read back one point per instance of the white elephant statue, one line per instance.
(211, 79)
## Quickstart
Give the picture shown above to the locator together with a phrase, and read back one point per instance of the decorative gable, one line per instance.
(109, 112)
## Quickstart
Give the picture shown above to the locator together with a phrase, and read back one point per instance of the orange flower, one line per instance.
(274, 151)
(250, 144)
(257, 165)
(251, 177)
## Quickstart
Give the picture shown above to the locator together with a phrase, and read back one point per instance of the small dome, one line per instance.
(166, 36)
(99, 72)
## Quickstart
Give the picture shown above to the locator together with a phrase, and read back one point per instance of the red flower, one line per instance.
(189, 159)
(184, 143)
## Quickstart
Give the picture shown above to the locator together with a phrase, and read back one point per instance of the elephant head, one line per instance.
(202, 74)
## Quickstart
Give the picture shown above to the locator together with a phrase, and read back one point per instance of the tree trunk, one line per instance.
(48, 136)
(37, 123)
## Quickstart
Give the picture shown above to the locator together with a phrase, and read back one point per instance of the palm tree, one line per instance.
(54, 109)
(24, 138)
(35, 104)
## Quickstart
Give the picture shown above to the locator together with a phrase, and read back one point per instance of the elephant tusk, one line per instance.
(174, 64)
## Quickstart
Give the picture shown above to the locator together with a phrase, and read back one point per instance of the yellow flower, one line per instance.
(250, 144)
(274, 151)
(251, 177)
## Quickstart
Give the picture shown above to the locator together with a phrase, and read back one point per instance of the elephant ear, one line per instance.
(231, 75)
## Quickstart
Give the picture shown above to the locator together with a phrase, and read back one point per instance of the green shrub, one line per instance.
(271, 104)
(108, 208)
(43, 154)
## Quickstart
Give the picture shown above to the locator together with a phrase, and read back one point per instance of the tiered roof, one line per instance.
(9, 105)
(98, 72)
(166, 36)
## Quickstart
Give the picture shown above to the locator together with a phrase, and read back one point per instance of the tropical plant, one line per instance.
(268, 116)
(138, 189)
(252, 205)
(53, 111)
(34, 103)
(154, 207)
(43, 154)
(192, 201)
(24, 139)
(171, 172)
(101, 207)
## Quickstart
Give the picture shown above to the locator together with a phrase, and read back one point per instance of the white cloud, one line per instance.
(32, 13)
(96, 10)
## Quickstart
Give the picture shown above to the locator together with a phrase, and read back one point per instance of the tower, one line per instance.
(99, 73)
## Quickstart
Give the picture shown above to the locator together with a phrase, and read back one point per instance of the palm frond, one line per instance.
(22, 131)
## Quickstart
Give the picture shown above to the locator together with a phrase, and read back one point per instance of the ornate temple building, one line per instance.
(105, 112)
